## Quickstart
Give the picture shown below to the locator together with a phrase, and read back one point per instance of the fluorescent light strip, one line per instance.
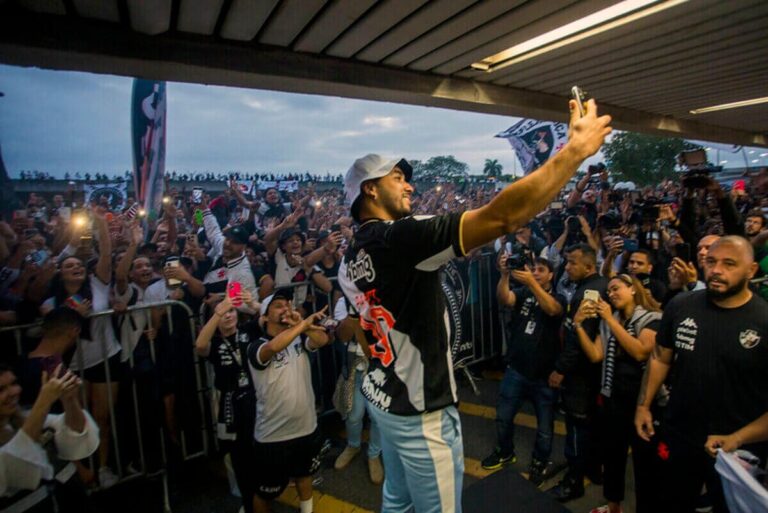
(732, 105)
(596, 23)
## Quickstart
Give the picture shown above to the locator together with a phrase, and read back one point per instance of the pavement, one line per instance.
(200, 486)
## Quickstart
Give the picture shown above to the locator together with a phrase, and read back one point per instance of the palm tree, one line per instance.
(492, 168)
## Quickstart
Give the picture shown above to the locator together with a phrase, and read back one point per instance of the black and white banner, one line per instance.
(535, 141)
(114, 192)
(454, 280)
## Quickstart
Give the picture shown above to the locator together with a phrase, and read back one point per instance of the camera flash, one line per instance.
(166, 200)
(142, 212)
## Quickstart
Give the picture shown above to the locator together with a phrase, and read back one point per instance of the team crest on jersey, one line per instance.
(749, 339)
(685, 336)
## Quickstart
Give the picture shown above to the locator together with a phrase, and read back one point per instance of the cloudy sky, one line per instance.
(57, 121)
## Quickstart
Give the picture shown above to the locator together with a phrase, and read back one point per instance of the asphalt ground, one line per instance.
(200, 486)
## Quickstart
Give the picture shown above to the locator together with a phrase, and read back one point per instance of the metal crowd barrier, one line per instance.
(201, 388)
(485, 331)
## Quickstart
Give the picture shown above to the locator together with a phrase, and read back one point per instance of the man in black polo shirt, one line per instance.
(579, 377)
(530, 358)
(390, 275)
(716, 343)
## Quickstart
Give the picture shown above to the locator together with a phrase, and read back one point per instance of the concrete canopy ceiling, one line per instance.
(647, 74)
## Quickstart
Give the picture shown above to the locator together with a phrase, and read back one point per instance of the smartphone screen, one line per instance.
(234, 290)
(631, 245)
(197, 195)
(173, 262)
(683, 251)
(592, 295)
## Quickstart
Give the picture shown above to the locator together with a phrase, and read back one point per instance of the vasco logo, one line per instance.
(749, 339)
(685, 336)
(361, 268)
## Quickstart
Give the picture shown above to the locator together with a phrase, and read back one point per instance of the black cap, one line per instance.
(284, 293)
(238, 234)
(290, 232)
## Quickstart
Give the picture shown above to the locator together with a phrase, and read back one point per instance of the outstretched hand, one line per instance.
(586, 134)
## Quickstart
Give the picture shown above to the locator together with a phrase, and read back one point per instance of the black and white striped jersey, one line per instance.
(389, 275)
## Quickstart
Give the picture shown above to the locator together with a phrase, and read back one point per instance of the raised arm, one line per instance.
(203, 341)
(124, 267)
(104, 264)
(521, 201)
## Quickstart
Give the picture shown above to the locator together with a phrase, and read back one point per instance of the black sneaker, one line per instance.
(567, 489)
(496, 460)
(537, 472)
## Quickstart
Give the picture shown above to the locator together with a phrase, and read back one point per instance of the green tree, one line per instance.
(443, 166)
(643, 159)
(492, 168)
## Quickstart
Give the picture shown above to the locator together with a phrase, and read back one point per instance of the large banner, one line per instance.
(535, 141)
(148, 123)
(280, 185)
(114, 192)
(453, 280)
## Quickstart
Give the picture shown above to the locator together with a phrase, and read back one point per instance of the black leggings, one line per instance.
(617, 421)
(243, 464)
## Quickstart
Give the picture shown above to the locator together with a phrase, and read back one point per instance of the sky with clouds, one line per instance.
(56, 121)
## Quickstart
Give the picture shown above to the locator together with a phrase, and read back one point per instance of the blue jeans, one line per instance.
(354, 422)
(423, 461)
(514, 389)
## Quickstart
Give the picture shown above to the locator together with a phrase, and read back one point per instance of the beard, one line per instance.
(728, 292)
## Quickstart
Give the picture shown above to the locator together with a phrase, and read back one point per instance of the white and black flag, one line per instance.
(535, 141)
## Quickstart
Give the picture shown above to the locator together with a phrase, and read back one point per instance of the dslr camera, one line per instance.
(519, 257)
(697, 169)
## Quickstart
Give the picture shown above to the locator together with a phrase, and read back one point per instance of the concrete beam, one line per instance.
(68, 43)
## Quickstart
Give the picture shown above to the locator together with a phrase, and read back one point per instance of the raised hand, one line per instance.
(587, 134)
(524, 276)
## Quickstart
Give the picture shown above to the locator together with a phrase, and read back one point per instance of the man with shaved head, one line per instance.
(717, 341)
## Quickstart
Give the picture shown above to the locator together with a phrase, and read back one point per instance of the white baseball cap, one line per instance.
(370, 167)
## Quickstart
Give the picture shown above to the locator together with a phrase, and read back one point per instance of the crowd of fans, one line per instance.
(585, 283)
(183, 176)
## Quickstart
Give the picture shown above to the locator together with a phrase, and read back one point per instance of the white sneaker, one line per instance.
(346, 457)
(107, 478)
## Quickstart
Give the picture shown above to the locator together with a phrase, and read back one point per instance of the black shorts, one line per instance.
(98, 373)
(279, 461)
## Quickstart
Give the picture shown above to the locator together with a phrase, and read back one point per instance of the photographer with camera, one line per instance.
(533, 347)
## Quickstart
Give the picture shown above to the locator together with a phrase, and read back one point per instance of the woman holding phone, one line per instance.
(97, 356)
(624, 342)
(224, 344)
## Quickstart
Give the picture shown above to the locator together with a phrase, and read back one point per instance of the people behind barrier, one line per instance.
(58, 253)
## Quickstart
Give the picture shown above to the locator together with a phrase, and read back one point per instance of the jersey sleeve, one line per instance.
(253, 354)
(427, 241)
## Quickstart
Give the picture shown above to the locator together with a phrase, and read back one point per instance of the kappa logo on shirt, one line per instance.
(685, 336)
(749, 339)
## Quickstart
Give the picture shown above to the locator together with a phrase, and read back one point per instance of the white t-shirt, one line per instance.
(91, 352)
(24, 462)
(285, 401)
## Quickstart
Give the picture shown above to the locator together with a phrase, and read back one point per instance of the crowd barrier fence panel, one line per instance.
(200, 390)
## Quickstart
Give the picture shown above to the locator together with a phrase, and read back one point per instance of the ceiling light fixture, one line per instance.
(588, 26)
(732, 105)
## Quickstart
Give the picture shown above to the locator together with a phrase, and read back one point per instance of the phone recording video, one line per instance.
(581, 100)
